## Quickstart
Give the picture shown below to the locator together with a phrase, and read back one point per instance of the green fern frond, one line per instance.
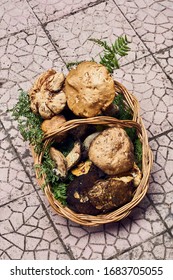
(110, 57)
(120, 46)
(101, 43)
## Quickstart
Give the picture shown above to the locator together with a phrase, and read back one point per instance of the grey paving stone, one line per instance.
(25, 234)
(50, 10)
(160, 190)
(151, 19)
(104, 242)
(165, 59)
(15, 15)
(14, 182)
(103, 21)
(146, 80)
(157, 248)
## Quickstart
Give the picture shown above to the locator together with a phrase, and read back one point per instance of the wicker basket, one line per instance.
(114, 216)
(122, 212)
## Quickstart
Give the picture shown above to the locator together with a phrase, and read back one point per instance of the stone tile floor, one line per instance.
(39, 34)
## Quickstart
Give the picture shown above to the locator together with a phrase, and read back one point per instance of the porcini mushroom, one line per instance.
(89, 89)
(112, 151)
(112, 193)
(46, 95)
(89, 139)
(74, 155)
(77, 192)
(52, 124)
(137, 175)
(60, 161)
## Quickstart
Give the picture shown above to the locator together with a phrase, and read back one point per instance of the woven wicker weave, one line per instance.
(124, 211)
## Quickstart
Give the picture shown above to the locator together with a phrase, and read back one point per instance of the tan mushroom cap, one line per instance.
(50, 125)
(89, 89)
(46, 95)
(53, 124)
(112, 151)
(55, 81)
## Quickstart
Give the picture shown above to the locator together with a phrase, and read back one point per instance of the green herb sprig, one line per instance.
(29, 126)
(138, 152)
(47, 168)
(28, 123)
(124, 112)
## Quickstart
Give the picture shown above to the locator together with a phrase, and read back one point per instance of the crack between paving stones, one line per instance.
(155, 208)
(47, 33)
(138, 244)
(67, 250)
(43, 25)
(49, 21)
(160, 134)
(90, 5)
(152, 54)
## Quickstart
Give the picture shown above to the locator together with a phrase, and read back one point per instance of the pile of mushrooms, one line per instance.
(108, 177)
(102, 162)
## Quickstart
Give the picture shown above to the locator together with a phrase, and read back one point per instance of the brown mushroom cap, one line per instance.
(108, 194)
(77, 192)
(112, 151)
(89, 89)
(54, 82)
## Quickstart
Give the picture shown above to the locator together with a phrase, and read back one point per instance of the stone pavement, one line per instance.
(36, 35)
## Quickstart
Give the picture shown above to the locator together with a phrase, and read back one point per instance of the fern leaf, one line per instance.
(121, 46)
(118, 48)
(101, 43)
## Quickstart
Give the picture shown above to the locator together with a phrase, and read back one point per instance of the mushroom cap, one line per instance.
(52, 124)
(54, 82)
(45, 95)
(77, 192)
(112, 151)
(89, 89)
(106, 195)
